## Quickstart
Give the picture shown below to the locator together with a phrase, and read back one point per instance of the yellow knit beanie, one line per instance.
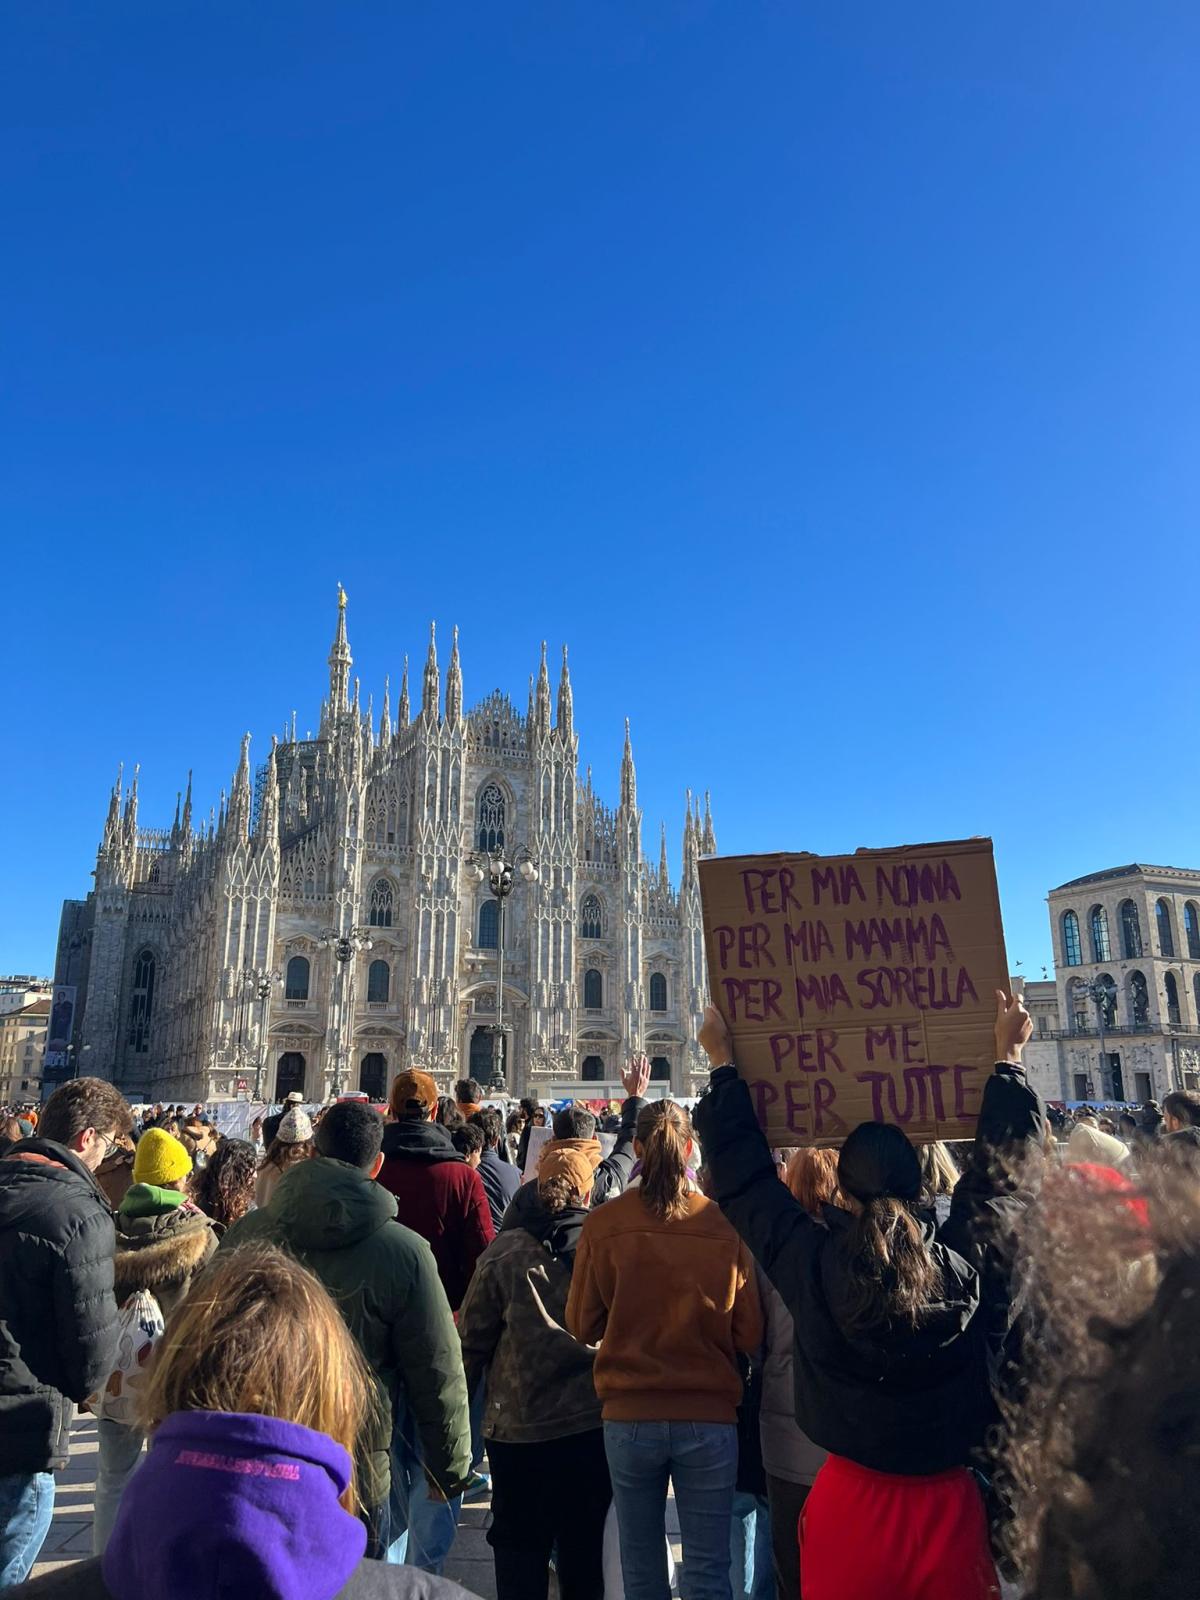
(160, 1159)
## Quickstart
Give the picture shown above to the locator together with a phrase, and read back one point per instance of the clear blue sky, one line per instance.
(827, 376)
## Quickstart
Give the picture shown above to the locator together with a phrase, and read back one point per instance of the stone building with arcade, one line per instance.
(324, 929)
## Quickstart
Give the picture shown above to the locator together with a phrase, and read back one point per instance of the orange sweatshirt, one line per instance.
(670, 1303)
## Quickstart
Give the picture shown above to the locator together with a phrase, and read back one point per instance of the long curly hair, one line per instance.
(224, 1189)
(1100, 1458)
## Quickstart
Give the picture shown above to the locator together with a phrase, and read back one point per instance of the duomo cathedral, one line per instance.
(326, 926)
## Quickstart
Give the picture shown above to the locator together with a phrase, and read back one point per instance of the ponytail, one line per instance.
(893, 1276)
(664, 1132)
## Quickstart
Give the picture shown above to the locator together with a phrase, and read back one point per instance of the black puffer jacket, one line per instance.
(58, 1314)
(897, 1400)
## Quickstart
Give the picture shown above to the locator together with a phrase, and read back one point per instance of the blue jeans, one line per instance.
(751, 1565)
(26, 1506)
(120, 1453)
(700, 1459)
(421, 1529)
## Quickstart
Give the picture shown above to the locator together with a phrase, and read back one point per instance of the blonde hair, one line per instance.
(664, 1133)
(811, 1175)
(259, 1333)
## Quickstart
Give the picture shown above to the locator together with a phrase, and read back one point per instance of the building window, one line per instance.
(593, 990)
(592, 1070)
(1172, 988)
(658, 992)
(660, 1069)
(1191, 929)
(1139, 999)
(1109, 1003)
(372, 1076)
(1166, 933)
(296, 985)
(289, 1079)
(1101, 950)
(491, 818)
(489, 925)
(1196, 994)
(1072, 949)
(1131, 931)
(141, 1005)
(380, 914)
(379, 983)
(591, 918)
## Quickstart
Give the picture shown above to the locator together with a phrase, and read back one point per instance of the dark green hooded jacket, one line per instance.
(341, 1225)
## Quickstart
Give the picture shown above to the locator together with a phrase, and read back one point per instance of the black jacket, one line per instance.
(58, 1314)
(896, 1400)
(370, 1580)
(500, 1180)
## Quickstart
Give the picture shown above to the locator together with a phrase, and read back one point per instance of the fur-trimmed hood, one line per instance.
(162, 1253)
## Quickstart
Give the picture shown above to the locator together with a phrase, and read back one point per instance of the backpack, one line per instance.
(139, 1329)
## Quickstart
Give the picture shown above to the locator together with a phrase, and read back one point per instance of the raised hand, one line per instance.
(636, 1075)
(1014, 1025)
(714, 1038)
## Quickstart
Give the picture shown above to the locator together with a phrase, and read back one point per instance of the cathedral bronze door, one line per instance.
(372, 1076)
(290, 1076)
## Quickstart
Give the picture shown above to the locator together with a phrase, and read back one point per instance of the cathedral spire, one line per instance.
(239, 798)
(529, 714)
(566, 704)
(339, 660)
(131, 808)
(431, 686)
(541, 709)
(454, 686)
(267, 829)
(385, 716)
(628, 775)
(664, 871)
(112, 823)
(708, 842)
(689, 837)
(404, 707)
(187, 809)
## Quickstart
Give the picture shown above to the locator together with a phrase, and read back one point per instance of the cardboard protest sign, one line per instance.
(859, 987)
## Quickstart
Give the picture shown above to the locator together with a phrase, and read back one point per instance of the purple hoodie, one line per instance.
(232, 1505)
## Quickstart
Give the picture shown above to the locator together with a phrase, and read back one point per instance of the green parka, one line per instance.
(341, 1225)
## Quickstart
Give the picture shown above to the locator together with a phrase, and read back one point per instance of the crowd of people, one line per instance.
(881, 1370)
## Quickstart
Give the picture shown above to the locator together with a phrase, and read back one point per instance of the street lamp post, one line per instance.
(1099, 993)
(345, 947)
(501, 872)
(266, 982)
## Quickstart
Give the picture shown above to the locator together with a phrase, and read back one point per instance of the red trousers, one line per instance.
(877, 1536)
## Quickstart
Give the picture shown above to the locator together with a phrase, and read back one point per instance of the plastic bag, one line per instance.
(139, 1330)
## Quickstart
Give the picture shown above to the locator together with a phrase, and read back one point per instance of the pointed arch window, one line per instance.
(382, 897)
(296, 983)
(1191, 930)
(1173, 1013)
(489, 924)
(141, 1004)
(1072, 948)
(491, 818)
(658, 992)
(1166, 931)
(379, 983)
(1131, 931)
(1101, 948)
(591, 918)
(593, 989)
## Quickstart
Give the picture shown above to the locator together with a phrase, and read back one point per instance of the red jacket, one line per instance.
(440, 1197)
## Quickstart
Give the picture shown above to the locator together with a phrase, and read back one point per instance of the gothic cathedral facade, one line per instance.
(325, 929)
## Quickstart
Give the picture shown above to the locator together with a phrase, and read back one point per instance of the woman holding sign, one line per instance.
(894, 1330)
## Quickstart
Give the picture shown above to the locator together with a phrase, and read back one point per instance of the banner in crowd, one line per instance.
(859, 988)
(62, 1022)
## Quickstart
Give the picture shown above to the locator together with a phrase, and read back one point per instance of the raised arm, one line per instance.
(613, 1172)
(742, 1174)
